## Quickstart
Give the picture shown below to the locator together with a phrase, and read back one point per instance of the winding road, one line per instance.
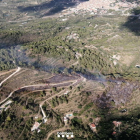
(57, 130)
(18, 69)
(74, 82)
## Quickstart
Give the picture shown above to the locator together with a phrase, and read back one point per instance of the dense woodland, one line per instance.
(12, 57)
(49, 39)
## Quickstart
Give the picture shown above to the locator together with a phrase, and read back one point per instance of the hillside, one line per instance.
(70, 67)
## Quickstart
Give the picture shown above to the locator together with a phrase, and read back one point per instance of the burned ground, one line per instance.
(118, 94)
(62, 78)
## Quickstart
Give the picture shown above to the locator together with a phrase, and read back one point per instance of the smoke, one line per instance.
(94, 76)
(18, 56)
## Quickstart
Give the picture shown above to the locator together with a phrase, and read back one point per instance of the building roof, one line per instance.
(114, 133)
(116, 123)
(65, 118)
(92, 125)
(35, 126)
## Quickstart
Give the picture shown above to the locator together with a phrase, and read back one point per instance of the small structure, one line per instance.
(69, 115)
(64, 19)
(93, 127)
(35, 126)
(66, 92)
(38, 130)
(65, 119)
(124, 110)
(117, 57)
(114, 133)
(117, 124)
(115, 62)
(36, 117)
(44, 120)
(137, 66)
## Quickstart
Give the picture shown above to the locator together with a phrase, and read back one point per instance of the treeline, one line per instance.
(54, 47)
(8, 38)
(53, 42)
(11, 57)
(6, 61)
(90, 59)
(96, 60)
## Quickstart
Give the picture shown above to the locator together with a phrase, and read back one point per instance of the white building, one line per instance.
(35, 126)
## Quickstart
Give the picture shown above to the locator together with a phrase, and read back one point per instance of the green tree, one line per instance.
(8, 118)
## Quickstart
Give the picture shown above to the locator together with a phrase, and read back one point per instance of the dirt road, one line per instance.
(57, 130)
(25, 87)
(18, 69)
(7, 97)
(44, 115)
(38, 85)
(5, 72)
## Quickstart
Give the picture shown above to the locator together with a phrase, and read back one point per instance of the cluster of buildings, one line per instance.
(116, 125)
(73, 36)
(100, 6)
(92, 5)
(37, 124)
(67, 117)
